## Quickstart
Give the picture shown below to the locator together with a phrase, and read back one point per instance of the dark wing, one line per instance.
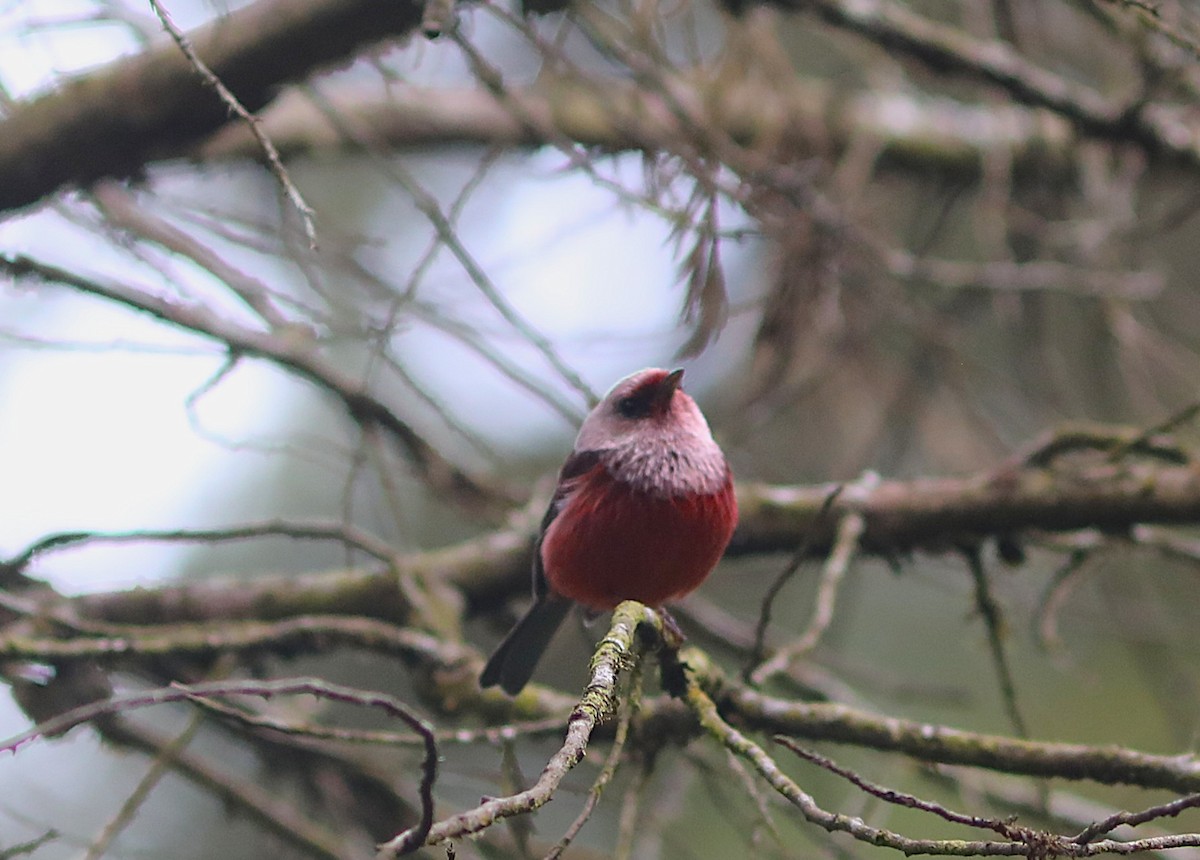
(512, 663)
(578, 463)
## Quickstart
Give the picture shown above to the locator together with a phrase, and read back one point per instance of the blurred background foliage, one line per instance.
(900, 237)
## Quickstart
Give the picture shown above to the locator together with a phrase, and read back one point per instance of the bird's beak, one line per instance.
(668, 387)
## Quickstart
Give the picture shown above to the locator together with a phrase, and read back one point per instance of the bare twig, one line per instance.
(758, 649)
(1004, 828)
(459, 737)
(845, 546)
(276, 816)
(1054, 596)
(21, 849)
(443, 226)
(1133, 819)
(348, 535)
(120, 207)
(1148, 436)
(159, 768)
(993, 620)
(739, 744)
(235, 106)
(300, 686)
(631, 806)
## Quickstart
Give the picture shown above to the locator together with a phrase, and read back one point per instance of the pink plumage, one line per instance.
(643, 511)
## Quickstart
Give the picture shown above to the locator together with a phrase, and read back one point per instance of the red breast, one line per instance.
(612, 542)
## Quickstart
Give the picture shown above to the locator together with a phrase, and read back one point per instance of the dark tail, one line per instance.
(513, 662)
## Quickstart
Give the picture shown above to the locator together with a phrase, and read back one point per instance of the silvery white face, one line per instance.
(654, 436)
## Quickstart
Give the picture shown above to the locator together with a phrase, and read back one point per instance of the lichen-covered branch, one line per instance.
(829, 721)
(1018, 841)
(599, 701)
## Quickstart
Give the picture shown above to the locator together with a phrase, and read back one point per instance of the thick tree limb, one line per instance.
(154, 105)
(899, 517)
(914, 131)
(944, 513)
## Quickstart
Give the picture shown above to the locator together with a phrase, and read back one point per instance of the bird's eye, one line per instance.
(641, 403)
(630, 407)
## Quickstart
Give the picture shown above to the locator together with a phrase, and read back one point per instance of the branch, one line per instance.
(900, 798)
(300, 635)
(21, 849)
(933, 514)
(237, 108)
(349, 536)
(848, 534)
(599, 700)
(944, 745)
(1019, 841)
(930, 515)
(113, 122)
(1158, 129)
(742, 746)
(281, 819)
(914, 131)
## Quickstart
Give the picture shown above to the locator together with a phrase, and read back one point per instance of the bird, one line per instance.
(643, 510)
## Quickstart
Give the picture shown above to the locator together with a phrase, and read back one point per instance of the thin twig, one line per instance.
(802, 552)
(159, 768)
(284, 820)
(443, 226)
(846, 545)
(28, 847)
(631, 805)
(348, 535)
(900, 798)
(1133, 819)
(124, 211)
(1054, 597)
(739, 744)
(252, 120)
(459, 737)
(989, 610)
(1147, 436)
(391, 706)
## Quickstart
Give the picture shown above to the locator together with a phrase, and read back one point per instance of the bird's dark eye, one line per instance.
(636, 406)
(631, 407)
